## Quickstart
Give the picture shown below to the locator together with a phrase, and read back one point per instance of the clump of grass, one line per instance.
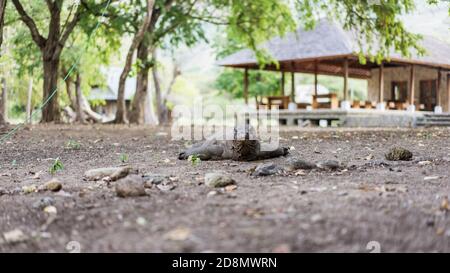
(73, 145)
(194, 159)
(123, 158)
(56, 166)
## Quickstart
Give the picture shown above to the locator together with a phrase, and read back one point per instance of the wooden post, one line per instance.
(282, 83)
(29, 96)
(346, 98)
(381, 84)
(292, 87)
(246, 86)
(448, 92)
(438, 88)
(316, 81)
(411, 84)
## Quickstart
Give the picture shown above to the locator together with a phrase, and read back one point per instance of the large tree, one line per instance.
(121, 116)
(61, 22)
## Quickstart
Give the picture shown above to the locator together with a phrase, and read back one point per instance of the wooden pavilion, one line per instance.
(416, 83)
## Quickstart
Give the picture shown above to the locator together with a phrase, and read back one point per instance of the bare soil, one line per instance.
(400, 205)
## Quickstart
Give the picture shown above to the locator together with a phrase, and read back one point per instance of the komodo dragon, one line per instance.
(244, 147)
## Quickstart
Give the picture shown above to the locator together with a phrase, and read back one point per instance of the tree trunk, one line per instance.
(29, 97)
(72, 99)
(161, 100)
(139, 36)
(149, 114)
(2, 19)
(79, 100)
(50, 112)
(160, 107)
(139, 101)
(2, 98)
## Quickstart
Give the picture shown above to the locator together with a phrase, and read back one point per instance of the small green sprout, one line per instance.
(73, 145)
(14, 163)
(56, 166)
(194, 159)
(123, 158)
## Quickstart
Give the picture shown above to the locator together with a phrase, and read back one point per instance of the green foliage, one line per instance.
(262, 83)
(194, 159)
(73, 145)
(123, 158)
(56, 166)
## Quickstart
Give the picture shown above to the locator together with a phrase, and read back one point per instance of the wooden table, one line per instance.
(281, 101)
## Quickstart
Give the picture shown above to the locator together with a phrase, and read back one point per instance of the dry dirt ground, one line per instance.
(400, 205)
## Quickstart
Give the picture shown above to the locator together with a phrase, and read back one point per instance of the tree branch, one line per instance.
(37, 37)
(70, 26)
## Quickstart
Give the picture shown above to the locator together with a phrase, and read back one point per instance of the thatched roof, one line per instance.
(328, 42)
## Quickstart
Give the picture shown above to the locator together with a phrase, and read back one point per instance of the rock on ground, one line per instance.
(295, 163)
(130, 186)
(53, 185)
(266, 169)
(114, 173)
(399, 154)
(218, 179)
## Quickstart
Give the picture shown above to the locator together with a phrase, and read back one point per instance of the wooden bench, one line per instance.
(325, 101)
(397, 105)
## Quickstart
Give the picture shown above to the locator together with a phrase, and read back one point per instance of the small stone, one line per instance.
(329, 165)
(14, 236)
(29, 189)
(316, 218)
(399, 154)
(114, 173)
(427, 178)
(53, 185)
(299, 164)
(218, 179)
(212, 193)
(154, 179)
(230, 188)
(166, 186)
(267, 169)
(423, 163)
(141, 221)
(445, 204)
(43, 202)
(50, 210)
(130, 186)
(178, 234)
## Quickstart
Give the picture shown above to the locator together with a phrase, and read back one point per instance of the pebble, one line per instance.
(141, 221)
(43, 202)
(14, 236)
(114, 173)
(154, 179)
(267, 169)
(212, 193)
(53, 185)
(299, 164)
(399, 154)
(29, 189)
(130, 186)
(178, 234)
(218, 179)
